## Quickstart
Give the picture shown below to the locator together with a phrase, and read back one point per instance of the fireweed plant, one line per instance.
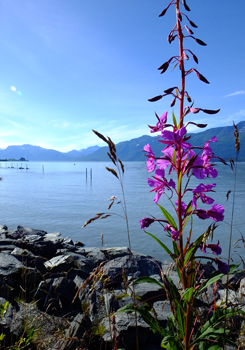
(185, 330)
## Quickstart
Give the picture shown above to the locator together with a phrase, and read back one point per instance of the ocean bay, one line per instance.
(58, 196)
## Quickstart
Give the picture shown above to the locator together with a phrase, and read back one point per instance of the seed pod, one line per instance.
(186, 6)
(173, 102)
(156, 98)
(200, 42)
(164, 67)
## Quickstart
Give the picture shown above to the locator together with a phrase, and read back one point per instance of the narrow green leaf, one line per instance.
(179, 306)
(174, 119)
(176, 250)
(148, 280)
(176, 342)
(188, 208)
(179, 181)
(191, 252)
(168, 251)
(175, 67)
(186, 220)
(209, 328)
(187, 294)
(174, 157)
(168, 217)
(214, 278)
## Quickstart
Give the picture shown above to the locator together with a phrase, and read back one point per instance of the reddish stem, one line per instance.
(181, 122)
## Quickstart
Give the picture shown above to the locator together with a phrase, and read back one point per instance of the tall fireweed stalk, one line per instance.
(185, 329)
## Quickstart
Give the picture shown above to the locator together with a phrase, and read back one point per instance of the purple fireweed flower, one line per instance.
(172, 231)
(146, 222)
(216, 249)
(165, 161)
(201, 213)
(216, 212)
(160, 182)
(150, 163)
(199, 193)
(183, 208)
(222, 266)
(207, 151)
(202, 167)
(208, 170)
(160, 124)
(175, 138)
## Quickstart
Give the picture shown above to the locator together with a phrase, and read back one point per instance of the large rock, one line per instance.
(68, 261)
(75, 335)
(57, 297)
(9, 265)
(123, 327)
(37, 246)
(116, 268)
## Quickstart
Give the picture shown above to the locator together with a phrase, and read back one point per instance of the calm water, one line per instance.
(61, 198)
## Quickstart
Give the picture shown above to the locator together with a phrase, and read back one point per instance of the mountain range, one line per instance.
(133, 150)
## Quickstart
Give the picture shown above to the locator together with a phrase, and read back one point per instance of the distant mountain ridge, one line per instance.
(133, 150)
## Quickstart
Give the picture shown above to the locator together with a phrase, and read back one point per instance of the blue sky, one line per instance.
(79, 65)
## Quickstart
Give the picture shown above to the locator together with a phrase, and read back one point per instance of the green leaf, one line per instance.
(192, 251)
(179, 306)
(173, 341)
(148, 280)
(174, 119)
(188, 208)
(187, 294)
(179, 181)
(174, 157)
(209, 331)
(186, 220)
(168, 217)
(168, 251)
(214, 278)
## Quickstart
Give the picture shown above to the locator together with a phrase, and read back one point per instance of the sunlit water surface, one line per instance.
(60, 197)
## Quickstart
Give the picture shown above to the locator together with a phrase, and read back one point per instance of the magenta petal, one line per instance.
(162, 163)
(150, 165)
(146, 222)
(216, 249)
(167, 135)
(181, 133)
(216, 212)
(163, 118)
(151, 182)
(222, 266)
(148, 149)
(160, 173)
(202, 214)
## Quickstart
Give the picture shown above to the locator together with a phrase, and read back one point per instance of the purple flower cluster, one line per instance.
(179, 156)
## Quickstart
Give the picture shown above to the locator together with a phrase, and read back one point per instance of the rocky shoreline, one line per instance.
(61, 294)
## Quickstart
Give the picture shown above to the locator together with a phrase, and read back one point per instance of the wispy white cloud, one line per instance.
(241, 92)
(13, 123)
